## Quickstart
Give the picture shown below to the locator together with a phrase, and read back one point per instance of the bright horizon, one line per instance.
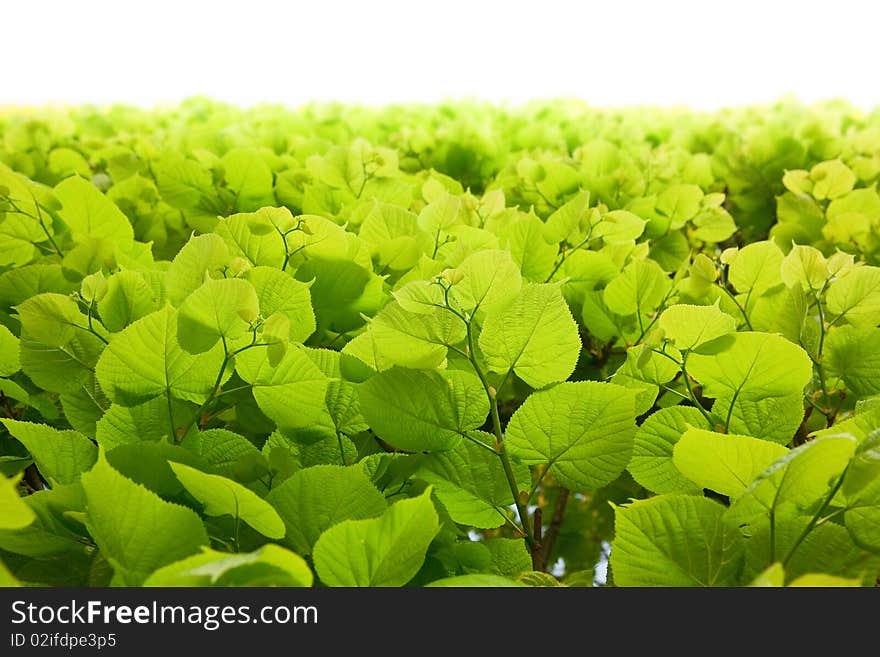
(387, 51)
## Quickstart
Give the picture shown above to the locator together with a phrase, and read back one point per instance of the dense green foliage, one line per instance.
(440, 345)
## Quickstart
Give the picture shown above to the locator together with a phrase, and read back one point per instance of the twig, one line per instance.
(555, 523)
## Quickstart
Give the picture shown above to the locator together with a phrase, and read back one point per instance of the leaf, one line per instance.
(831, 179)
(419, 410)
(534, 336)
(10, 352)
(861, 488)
(853, 355)
(470, 482)
(61, 456)
(417, 340)
(674, 540)
(564, 224)
(249, 177)
(278, 292)
(219, 309)
(583, 430)
(640, 288)
(804, 266)
(651, 464)
(271, 565)
(205, 254)
(524, 239)
(144, 361)
(796, 481)
(128, 298)
(383, 551)
(317, 498)
(713, 224)
(725, 463)
(856, 297)
(488, 279)
(222, 496)
(91, 214)
(814, 580)
(680, 203)
(14, 512)
(50, 319)
(756, 268)
(135, 529)
(619, 227)
(291, 392)
(688, 327)
(476, 580)
(757, 380)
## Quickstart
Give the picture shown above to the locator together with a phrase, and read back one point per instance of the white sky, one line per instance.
(609, 52)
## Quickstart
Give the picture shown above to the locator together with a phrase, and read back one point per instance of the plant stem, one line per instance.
(500, 449)
(687, 383)
(555, 523)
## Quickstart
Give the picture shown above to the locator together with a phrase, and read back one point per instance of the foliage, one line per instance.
(457, 345)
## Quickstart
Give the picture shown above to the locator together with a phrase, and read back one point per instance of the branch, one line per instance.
(555, 523)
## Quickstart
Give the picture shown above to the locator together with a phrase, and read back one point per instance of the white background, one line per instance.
(705, 54)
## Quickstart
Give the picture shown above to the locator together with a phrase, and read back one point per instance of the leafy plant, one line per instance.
(468, 346)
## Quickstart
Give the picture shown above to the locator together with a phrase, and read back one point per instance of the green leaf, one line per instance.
(565, 224)
(795, 481)
(470, 482)
(271, 565)
(831, 179)
(383, 551)
(91, 214)
(221, 449)
(278, 292)
(640, 288)
(476, 580)
(61, 456)
(249, 177)
(10, 352)
(814, 580)
(675, 540)
(856, 297)
(488, 279)
(713, 224)
(219, 309)
(688, 327)
(804, 266)
(222, 496)
(725, 463)
(135, 529)
(418, 410)
(651, 464)
(317, 498)
(417, 340)
(291, 392)
(14, 513)
(535, 336)
(128, 298)
(853, 355)
(50, 319)
(524, 239)
(440, 214)
(205, 254)
(757, 381)
(145, 360)
(619, 227)
(756, 268)
(583, 430)
(861, 488)
(680, 203)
